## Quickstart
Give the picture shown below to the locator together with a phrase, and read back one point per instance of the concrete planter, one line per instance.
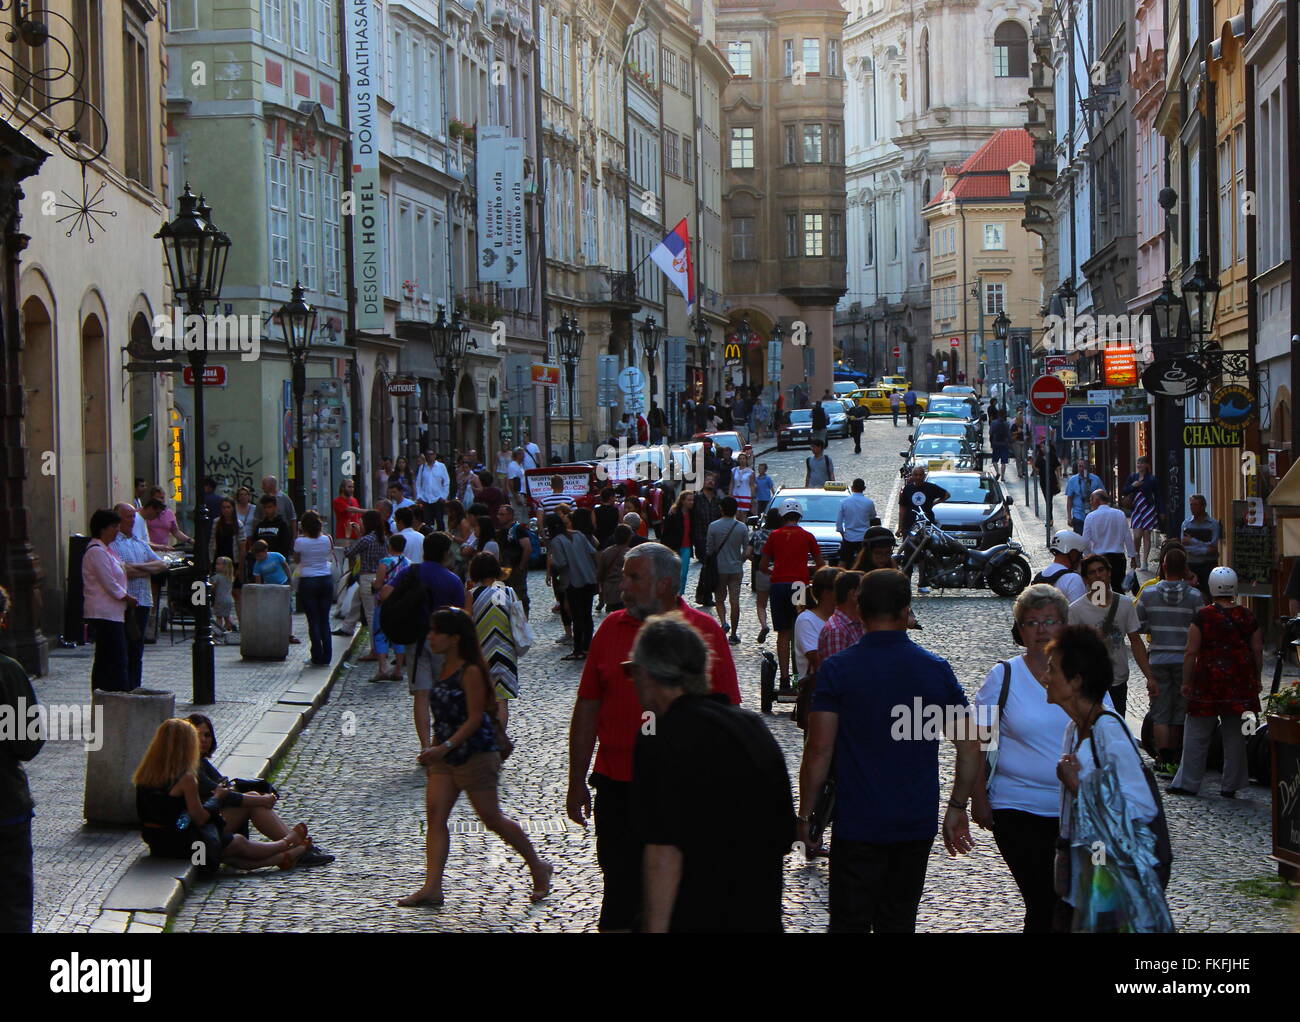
(264, 622)
(127, 726)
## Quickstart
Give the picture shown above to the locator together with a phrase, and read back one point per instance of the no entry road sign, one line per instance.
(1047, 395)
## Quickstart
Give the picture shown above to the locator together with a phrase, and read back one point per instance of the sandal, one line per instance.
(297, 835)
(541, 891)
(414, 900)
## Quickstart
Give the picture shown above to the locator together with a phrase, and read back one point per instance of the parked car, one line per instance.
(796, 430)
(821, 509)
(895, 383)
(941, 453)
(876, 401)
(838, 416)
(979, 511)
(945, 426)
(728, 438)
(958, 388)
(843, 388)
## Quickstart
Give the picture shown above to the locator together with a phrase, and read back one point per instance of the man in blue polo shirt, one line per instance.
(878, 712)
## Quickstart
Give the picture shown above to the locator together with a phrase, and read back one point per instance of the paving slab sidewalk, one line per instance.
(100, 878)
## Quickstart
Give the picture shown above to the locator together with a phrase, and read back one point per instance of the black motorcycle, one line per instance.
(945, 562)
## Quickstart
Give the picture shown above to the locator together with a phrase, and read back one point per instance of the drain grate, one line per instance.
(531, 825)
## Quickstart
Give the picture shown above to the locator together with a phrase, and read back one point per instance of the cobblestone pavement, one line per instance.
(353, 777)
(77, 865)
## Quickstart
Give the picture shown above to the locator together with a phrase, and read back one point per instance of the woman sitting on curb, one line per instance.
(255, 805)
(177, 825)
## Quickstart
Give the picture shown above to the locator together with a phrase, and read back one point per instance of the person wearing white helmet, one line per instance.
(1067, 548)
(1221, 681)
(786, 555)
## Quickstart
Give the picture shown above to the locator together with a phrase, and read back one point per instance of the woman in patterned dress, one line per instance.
(1141, 486)
(742, 484)
(488, 601)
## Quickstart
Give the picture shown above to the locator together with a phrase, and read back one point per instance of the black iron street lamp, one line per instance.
(451, 342)
(704, 340)
(651, 335)
(1201, 296)
(196, 254)
(298, 323)
(568, 345)
(1169, 320)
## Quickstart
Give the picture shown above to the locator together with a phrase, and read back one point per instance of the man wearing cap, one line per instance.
(786, 555)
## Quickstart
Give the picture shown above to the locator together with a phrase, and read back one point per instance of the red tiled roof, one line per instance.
(984, 173)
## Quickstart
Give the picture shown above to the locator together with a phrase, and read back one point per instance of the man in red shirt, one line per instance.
(608, 709)
(786, 554)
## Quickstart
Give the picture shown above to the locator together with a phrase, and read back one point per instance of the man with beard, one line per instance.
(608, 710)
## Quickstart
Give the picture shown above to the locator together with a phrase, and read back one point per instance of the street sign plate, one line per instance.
(1085, 422)
(631, 380)
(1047, 395)
(213, 376)
(402, 387)
(546, 375)
(954, 342)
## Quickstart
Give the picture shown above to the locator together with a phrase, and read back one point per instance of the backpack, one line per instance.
(1159, 825)
(404, 613)
(1041, 579)
(820, 420)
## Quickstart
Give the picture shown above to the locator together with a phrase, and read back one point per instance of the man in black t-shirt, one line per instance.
(516, 550)
(918, 496)
(710, 795)
(277, 532)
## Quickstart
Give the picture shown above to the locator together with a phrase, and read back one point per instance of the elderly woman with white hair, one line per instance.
(1020, 797)
(710, 792)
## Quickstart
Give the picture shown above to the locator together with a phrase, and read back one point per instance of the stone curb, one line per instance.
(153, 889)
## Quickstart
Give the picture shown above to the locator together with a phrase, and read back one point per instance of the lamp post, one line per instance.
(298, 323)
(451, 341)
(744, 335)
(1171, 330)
(774, 343)
(1201, 296)
(196, 254)
(568, 344)
(704, 338)
(651, 335)
(1001, 331)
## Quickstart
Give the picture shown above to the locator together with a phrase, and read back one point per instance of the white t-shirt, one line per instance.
(742, 482)
(514, 471)
(315, 556)
(414, 551)
(1070, 583)
(1084, 612)
(532, 456)
(1029, 742)
(807, 630)
(1113, 746)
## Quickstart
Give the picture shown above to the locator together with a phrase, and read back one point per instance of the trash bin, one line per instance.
(124, 723)
(264, 622)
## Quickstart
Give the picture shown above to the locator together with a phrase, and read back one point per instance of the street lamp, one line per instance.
(451, 341)
(651, 335)
(196, 252)
(704, 340)
(1169, 318)
(298, 324)
(1201, 295)
(568, 345)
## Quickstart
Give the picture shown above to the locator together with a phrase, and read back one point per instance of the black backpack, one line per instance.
(404, 613)
(820, 420)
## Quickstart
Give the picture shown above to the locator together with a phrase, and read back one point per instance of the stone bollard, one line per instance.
(126, 723)
(264, 622)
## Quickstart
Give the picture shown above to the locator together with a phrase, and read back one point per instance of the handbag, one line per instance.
(708, 584)
(521, 631)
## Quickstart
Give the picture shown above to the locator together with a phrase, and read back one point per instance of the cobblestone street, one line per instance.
(353, 777)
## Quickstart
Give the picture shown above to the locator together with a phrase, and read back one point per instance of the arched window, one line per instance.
(925, 69)
(1010, 51)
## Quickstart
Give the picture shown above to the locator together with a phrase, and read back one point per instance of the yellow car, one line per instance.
(876, 400)
(894, 383)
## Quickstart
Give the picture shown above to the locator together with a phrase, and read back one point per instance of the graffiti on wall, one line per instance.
(233, 469)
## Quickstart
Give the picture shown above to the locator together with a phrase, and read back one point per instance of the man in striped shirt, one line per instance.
(550, 501)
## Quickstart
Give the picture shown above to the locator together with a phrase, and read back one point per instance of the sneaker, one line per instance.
(315, 857)
(762, 635)
(923, 590)
(1169, 770)
(1180, 791)
(735, 637)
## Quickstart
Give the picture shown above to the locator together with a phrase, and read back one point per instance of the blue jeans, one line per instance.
(316, 597)
(685, 554)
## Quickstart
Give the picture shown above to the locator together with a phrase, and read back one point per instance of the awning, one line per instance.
(1287, 492)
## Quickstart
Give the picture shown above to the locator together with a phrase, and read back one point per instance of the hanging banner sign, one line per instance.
(1119, 367)
(363, 37)
(546, 376)
(732, 354)
(502, 255)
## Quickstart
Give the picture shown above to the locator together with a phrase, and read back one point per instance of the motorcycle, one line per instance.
(948, 564)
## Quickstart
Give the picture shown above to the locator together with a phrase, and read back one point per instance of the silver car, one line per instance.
(821, 510)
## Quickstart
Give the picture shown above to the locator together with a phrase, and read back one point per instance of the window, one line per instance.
(301, 21)
(925, 69)
(307, 227)
(332, 235)
(138, 134)
(812, 143)
(1271, 153)
(1225, 204)
(992, 299)
(813, 236)
(273, 19)
(89, 68)
(543, 78)
(791, 144)
(181, 15)
(567, 66)
(326, 31)
(834, 147)
(669, 61)
(688, 159)
(742, 147)
(833, 57)
(1240, 202)
(584, 73)
(1192, 205)
(788, 50)
(277, 197)
(588, 224)
(835, 235)
(869, 216)
(570, 222)
(812, 56)
(994, 237)
(791, 235)
(1010, 51)
(742, 238)
(670, 153)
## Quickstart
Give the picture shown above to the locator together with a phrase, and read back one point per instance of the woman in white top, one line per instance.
(742, 484)
(1021, 802)
(313, 552)
(1106, 799)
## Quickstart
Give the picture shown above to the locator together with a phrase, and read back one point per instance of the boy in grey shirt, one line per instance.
(1166, 610)
(728, 540)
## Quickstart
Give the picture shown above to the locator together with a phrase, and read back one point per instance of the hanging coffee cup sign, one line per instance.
(1175, 377)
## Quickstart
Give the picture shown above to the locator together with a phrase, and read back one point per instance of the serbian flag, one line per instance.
(673, 256)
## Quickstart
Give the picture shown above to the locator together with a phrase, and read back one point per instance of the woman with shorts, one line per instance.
(464, 756)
